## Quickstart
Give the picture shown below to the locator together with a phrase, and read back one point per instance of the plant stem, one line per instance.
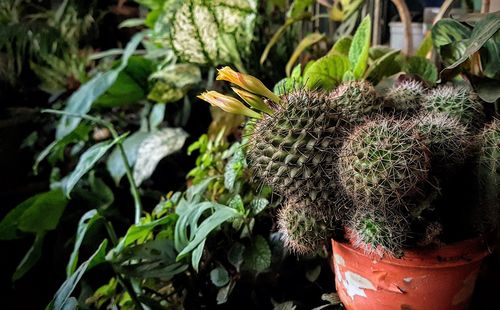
(128, 171)
(128, 287)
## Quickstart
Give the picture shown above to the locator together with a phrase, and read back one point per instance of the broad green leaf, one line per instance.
(382, 67)
(326, 72)
(287, 85)
(156, 116)
(124, 91)
(155, 147)
(489, 57)
(87, 161)
(189, 214)
(425, 46)
(86, 221)
(9, 224)
(298, 7)
(342, 46)
(235, 255)
(447, 31)
(360, 46)
(44, 212)
(258, 205)
(343, 9)
(219, 276)
(422, 67)
(173, 82)
(237, 203)
(377, 52)
(81, 101)
(221, 215)
(31, 257)
(64, 293)
(481, 33)
(115, 164)
(306, 42)
(258, 255)
(488, 89)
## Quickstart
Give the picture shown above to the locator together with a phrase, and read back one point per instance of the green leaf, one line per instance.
(385, 65)
(155, 147)
(235, 255)
(258, 255)
(197, 254)
(87, 161)
(81, 101)
(56, 148)
(31, 257)
(9, 224)
(223, 293)
(151, 259)
(377, 52)
(173, 82)
(44, 212)
(287, 85)
(234, 169)
(221, 215)
(447, 31)
(115, 164)
(358, 53)
(86, 221)
(237, 203)
(306, 42)
(64, 293)
(342, 46)
(425, 46)
(298, 7)
(156, 116)
(124, 91)
(219, 276)
(422, 67)
(258, 205)
(481, 33)
(326, 72)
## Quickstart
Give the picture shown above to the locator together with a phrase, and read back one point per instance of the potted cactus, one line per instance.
(405, 184)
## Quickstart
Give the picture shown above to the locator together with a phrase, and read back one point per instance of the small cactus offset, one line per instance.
(405, 96)
(378, 231)
(381, 162)
(446, 138)
(457, 102)
(293, 149)
(489, 173)
(304, 229)
(354, 100)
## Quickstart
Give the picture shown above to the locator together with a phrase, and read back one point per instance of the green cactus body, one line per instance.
(382, 162)
(405, 96)
(446, 138)
(489, 174)
(378, 232)
(355, 100)
(457, 102)
(293, 150)
(304, 229)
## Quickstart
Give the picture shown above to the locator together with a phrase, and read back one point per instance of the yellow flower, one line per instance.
(228, 104)
(247, 82)
(254, 101)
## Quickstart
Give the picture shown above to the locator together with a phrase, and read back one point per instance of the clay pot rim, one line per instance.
(446, 256)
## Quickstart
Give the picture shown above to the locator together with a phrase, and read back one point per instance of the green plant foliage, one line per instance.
(385, 65)
(358, 52)
(258, 255)
(326, 72)
(341, 46)
(173, 82)
(422, 68)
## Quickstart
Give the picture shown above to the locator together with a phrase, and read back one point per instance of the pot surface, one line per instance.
(442, 278)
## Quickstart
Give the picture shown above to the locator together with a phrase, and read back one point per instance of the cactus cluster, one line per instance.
(374, 166)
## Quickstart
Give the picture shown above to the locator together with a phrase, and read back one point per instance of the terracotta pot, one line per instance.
(441, 278)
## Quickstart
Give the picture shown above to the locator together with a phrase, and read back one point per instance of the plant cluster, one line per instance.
(376, 166)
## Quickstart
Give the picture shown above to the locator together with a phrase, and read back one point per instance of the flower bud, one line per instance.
(253, 100)
(228, 104)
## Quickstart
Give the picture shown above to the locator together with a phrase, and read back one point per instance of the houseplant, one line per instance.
(405, 183)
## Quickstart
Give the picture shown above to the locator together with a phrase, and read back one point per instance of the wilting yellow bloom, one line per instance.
(248, 82)
(228, 104)
(253, 100)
